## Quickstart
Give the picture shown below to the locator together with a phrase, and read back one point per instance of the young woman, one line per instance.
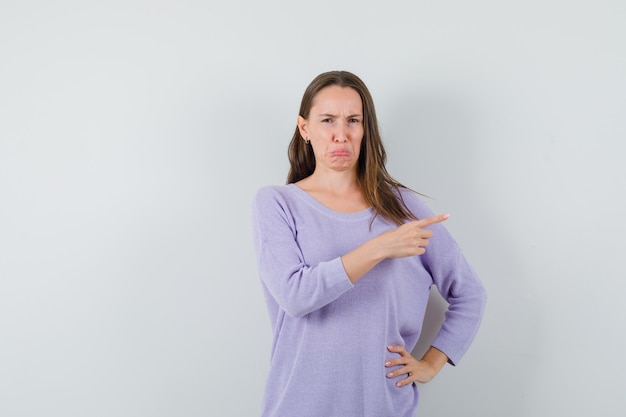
(347, 257)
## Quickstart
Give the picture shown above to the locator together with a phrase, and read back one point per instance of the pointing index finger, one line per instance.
(429, 221)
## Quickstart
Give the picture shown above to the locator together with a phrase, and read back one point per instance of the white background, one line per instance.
(133, 135)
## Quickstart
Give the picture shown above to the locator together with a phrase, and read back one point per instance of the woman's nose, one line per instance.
(340, 134)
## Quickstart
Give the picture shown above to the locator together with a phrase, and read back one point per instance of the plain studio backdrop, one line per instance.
(134, 134)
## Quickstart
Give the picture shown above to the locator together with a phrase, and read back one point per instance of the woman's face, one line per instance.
(335, 128)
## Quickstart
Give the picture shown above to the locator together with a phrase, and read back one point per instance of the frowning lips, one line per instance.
(340, 152)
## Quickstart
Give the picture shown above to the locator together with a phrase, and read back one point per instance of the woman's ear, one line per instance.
(302, 126)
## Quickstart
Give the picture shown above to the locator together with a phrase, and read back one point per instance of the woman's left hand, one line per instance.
(422, 370)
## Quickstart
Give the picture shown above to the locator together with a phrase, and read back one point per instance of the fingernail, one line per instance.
(390, 347)
(390, 374)
(388, 363)
(398, 384)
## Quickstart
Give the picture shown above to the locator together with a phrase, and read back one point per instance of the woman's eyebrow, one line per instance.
(334, 115)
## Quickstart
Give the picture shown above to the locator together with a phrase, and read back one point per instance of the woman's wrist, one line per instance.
(435, 359)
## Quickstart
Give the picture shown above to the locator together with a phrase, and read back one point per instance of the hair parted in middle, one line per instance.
(379, 189)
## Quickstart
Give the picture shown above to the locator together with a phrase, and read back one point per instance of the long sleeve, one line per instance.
(458, 285)
(296, 287)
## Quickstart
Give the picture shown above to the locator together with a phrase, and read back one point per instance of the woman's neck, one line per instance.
(340, 192)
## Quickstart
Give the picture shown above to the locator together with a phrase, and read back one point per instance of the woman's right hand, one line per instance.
(409, 239)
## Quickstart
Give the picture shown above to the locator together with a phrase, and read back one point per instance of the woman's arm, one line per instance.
(409, 239)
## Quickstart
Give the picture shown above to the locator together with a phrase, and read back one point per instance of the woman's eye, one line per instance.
(326, 121)
(355, 121)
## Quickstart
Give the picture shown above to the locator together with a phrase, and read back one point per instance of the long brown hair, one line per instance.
(376, 184)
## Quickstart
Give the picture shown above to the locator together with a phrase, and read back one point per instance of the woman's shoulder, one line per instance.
(268, 194)
(274, 189)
